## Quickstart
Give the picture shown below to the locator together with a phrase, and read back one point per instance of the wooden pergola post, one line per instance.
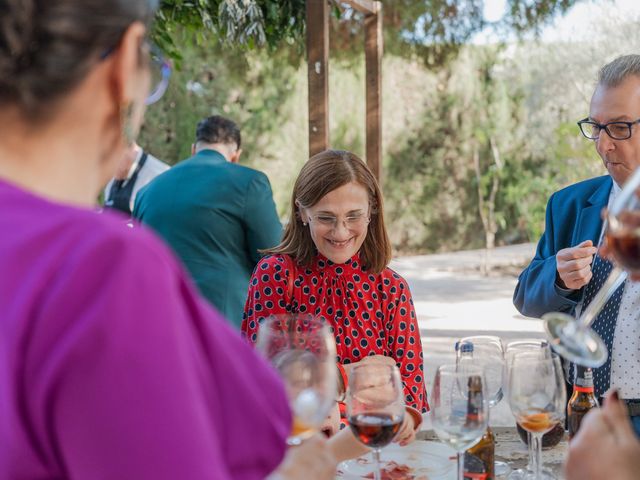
(317, 16)
(373, 80)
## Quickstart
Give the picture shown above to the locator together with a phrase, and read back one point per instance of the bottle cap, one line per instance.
(466, 347)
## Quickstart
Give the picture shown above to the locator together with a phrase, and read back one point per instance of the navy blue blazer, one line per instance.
(573, 216)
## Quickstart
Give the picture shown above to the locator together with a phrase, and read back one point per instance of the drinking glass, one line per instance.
(537, 398)
(513, 348)
(573, 338)
(459, 408)
(303, 351)
(488, 353)
(375, 406)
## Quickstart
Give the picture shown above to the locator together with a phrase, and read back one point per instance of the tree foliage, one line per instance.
(473, 145)
(244, 23)
(432, 29)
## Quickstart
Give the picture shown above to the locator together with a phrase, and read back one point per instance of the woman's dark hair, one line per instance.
(322, 174)
(48, 46)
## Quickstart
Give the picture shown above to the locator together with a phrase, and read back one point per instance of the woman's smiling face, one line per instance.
(338, 223)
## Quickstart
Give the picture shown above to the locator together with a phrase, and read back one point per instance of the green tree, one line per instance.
(457, 165)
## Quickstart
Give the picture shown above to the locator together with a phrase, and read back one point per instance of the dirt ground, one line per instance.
(454, 298)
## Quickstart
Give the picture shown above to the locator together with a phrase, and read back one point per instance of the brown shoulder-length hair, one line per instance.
(322, 174)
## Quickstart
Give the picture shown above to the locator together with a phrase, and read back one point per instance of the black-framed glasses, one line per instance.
(616, 130)
(160, 72)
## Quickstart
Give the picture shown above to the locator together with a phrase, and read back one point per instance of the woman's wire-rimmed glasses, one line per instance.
(351, 221)
(160, 71)
(160, 75)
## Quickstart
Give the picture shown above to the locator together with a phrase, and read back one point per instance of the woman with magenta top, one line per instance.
(111, 365)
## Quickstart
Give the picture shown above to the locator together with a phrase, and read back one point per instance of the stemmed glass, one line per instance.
(513, 348)
(459, 408)
(375, 406)
(573, 339)
(304, 352)
(537, 398)
(488, 353)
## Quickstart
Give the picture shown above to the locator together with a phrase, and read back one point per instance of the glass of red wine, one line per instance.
(574, 339)
(375, 406)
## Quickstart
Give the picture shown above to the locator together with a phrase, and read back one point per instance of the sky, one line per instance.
(575, 23)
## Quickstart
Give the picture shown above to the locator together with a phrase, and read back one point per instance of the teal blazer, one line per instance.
(573, 216)
(215, 215)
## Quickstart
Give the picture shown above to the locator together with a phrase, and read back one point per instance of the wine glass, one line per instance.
(303, 351)
(573, 339)
(513, 348)
(488, 353)
(375, 406)
(459, 408)
(537, 398)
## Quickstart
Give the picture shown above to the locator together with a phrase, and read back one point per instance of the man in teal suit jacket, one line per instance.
(215, 214)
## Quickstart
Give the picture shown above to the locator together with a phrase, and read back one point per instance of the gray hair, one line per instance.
(618, 70)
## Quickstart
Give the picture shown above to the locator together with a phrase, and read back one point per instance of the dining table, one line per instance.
(510, 449)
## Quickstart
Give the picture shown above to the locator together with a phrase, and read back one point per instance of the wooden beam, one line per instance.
(317, 13)
(364, 6)
(373, 80)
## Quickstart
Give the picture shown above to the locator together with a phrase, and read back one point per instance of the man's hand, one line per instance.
(606, 445)
(574, 265)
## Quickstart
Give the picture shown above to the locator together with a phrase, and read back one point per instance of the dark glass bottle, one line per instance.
(479, 459)
(582, 400)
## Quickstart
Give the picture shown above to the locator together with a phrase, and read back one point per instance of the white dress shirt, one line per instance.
(625, 354)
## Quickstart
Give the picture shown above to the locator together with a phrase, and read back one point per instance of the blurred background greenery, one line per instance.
(478, 116)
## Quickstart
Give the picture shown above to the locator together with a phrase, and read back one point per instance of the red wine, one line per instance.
(625, 246)
(375, 430)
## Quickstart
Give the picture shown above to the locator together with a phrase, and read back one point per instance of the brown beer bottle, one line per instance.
(582, 400)
(479, 459)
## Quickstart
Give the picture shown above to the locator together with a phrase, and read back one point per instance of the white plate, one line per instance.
(431, 459)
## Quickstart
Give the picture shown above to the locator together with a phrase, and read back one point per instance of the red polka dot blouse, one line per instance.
(368, 314)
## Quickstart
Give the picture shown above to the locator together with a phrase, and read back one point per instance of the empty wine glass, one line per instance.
(303, 351)
(375, 406)
(572, 338)
(487, 352)
(537, 398)
(459, 408)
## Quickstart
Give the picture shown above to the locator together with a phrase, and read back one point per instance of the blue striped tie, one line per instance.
(605, 323)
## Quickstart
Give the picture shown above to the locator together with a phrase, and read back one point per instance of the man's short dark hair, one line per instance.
(217, 129)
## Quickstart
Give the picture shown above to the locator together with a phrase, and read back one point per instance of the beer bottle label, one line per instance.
(474, 468)
(584, 378)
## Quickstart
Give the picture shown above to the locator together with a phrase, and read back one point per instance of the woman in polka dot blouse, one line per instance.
(333, 263)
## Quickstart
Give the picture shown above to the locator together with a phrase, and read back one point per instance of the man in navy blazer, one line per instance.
(556, 278)
(563, 256)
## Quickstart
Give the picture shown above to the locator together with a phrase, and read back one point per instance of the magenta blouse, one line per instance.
(111, 367)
